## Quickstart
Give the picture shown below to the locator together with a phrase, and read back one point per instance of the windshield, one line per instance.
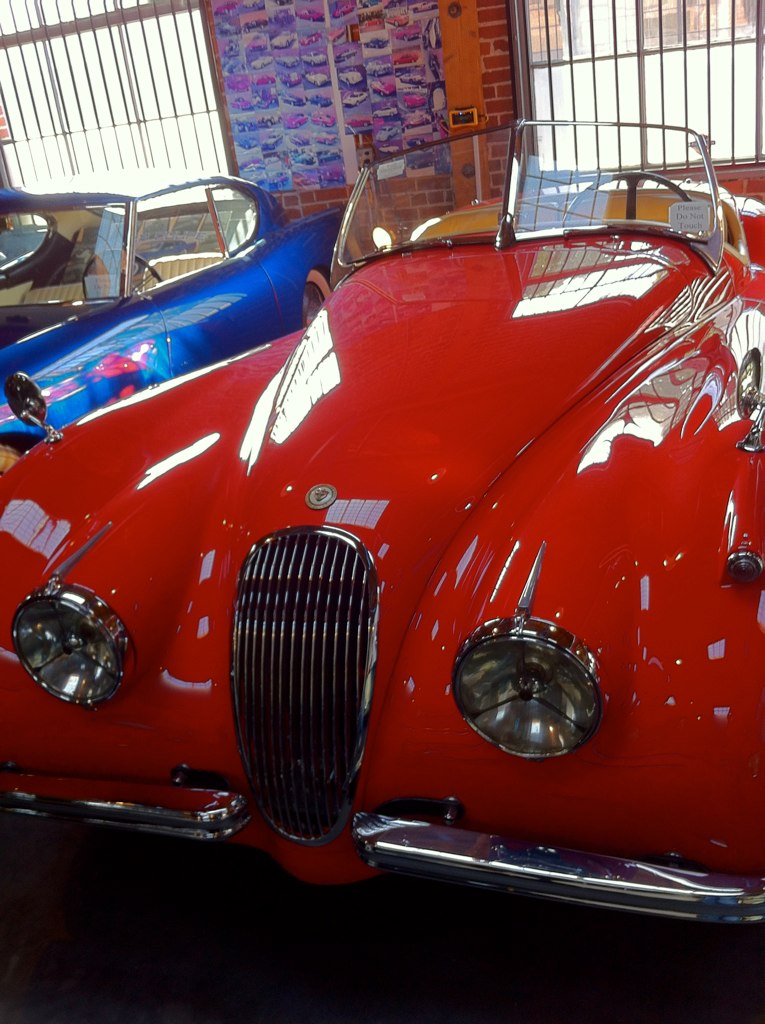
(532, 178)
(427, 195)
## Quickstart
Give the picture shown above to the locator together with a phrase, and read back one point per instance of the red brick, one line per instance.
(499, 108)
(495, 31)
(498, 77)
(497, 63)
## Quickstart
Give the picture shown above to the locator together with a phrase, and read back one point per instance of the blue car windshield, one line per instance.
(62, 256)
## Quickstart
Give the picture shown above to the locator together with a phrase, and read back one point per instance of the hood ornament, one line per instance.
(321, 496)
(27, 403)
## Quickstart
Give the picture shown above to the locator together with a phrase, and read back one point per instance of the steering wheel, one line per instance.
(145, 268)
(633, 179)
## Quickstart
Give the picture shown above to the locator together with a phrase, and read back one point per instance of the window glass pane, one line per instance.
(97, 261)
(61, 256)
(677, 62)
(238, 216)
(20, 235)
(136, 91)
(175, 223)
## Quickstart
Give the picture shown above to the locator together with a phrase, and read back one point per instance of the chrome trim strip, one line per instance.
(218, 816)
(710, 250)
(69, 563)
(523, 611)
(495, 862)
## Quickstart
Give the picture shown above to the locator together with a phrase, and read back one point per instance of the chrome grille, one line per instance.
(304, 647)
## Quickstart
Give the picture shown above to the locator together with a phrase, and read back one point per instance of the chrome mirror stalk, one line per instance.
(27, 403)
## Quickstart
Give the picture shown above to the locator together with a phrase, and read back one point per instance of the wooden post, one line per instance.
(462, 56)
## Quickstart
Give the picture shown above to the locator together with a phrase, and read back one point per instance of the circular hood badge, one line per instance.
(321, 496)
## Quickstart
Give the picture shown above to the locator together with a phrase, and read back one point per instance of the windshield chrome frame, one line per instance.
(710, 250)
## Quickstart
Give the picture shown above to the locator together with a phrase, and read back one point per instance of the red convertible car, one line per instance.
(466, 581)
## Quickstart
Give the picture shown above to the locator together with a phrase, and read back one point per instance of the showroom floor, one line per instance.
(101, 927)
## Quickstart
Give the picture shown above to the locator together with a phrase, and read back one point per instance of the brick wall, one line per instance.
(300, 204)
(744, 183)
(495, 61)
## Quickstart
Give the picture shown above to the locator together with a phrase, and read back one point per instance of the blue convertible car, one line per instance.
(102, 295)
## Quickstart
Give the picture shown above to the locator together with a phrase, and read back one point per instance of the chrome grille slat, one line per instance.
(304, 577)
(282, 683)
(350, 655)
(303, 661)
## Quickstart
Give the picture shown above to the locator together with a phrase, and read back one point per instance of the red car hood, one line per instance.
(410, 406)
(420, 402)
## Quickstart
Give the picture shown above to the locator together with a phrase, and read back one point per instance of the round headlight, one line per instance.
(529, 688)
(71, 643)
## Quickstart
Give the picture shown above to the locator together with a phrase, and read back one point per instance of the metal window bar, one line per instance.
(69, 112)
(758, 78)
(685, 62)
(106, 85)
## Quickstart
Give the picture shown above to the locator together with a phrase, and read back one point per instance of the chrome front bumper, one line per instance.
(165, 810)
(475, 858)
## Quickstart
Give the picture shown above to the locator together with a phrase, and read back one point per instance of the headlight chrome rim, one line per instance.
(84, 607)
(545, 635)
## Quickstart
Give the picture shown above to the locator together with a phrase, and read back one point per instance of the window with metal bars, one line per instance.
(692, 63)
(94, 86)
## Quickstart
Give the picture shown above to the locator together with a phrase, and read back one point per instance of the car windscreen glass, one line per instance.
(581, 176)
(72, 244)
(237, 215)
(103, 274)
(427, 196)
(557, 178)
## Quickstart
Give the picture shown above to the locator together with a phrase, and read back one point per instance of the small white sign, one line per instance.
(691, 217)
(391, 169)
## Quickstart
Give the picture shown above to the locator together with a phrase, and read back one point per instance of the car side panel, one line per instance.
(675, 765)
(82, 364)
(217, 312)
(249, 299)
(302, 247)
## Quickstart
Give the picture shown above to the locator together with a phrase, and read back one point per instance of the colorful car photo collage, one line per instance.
(298, 73)
(275, 63)
(391, 80)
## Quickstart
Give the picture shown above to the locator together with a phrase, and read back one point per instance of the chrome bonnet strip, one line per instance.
(475, 858)
(210, 815)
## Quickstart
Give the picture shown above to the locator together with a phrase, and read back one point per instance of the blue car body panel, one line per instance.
(106, 350)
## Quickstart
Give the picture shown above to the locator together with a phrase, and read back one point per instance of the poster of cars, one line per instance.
(391, 82)
(299, 73)
(274, 57)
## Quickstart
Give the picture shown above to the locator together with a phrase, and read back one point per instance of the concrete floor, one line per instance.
(101, 927)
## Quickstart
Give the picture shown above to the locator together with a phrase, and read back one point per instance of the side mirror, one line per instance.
(752, 215)
(28, 404)
(750, 400)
